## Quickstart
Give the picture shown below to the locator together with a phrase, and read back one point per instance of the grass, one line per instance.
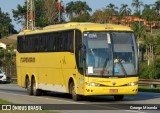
(149, 89)
(26, 111)
(10, 41)
(5, 102)
(13, 82)
(10, 111)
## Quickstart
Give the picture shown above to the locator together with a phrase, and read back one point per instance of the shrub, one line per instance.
(150, 72)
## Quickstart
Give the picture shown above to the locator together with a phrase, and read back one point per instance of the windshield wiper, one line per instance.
(120, 62)
(104, 66)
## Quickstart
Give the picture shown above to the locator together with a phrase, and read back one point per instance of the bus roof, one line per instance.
(77, 25)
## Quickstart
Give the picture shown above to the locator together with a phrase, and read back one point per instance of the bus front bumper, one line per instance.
(123, 90)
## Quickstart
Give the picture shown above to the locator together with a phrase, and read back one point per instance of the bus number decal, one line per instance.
(27, 59)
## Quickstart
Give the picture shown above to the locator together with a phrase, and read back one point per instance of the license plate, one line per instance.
(113, 90)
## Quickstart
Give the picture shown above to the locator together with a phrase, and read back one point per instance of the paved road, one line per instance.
(16, 94)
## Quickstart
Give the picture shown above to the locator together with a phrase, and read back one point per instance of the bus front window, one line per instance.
(98, 53)
(125, 54)
(110, 54)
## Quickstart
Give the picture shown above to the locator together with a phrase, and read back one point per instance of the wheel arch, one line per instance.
(69, 82)
(26, 77)
(33, 76)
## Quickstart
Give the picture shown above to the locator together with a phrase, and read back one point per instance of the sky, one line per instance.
(8, 5)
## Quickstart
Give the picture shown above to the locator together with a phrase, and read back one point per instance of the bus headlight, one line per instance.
(92, 84)
(132, 83)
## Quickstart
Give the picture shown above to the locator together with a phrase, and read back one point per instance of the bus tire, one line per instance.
(75, 96)
(29, 87)
(118, 97)
(36, 92)
(44, 93)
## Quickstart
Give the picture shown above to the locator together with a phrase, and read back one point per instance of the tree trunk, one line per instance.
(138, 44)
(151, 27)
(152, 53)
(148, 57)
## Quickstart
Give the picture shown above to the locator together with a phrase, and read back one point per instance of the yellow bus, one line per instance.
(82, 59)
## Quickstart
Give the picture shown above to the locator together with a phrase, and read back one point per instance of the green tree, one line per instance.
(82, 18)
(150, 72)
(157, 45)
(70, 9)
(150, 15)
(3, 58)
(137, 4)
(101, 16)
(125, 11)
(156, 6)
(78, 10)
(149, 42)
(147, 6)
(82, 8)
(20, 14)
(98, 16)
(140, 31)
(6, 27)
(112, 9)
(7, 56)
(46, 13)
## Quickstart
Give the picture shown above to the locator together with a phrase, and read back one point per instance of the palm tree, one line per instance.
(156, 6)
(150, 15)
(77, 8)
(125, 11)
(137, 4)
(139, 31)
(112, 8)
(70, 9)
(147, 6)
(82, 8)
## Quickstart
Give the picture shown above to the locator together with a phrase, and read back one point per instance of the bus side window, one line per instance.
(78, 52)
(20, 46)
(70, 41)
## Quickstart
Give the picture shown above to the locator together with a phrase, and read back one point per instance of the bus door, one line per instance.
(79, 59)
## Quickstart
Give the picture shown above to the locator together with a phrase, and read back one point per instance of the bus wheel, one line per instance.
(29, 87)
(118, 97)
(36, 92)
(75, 97)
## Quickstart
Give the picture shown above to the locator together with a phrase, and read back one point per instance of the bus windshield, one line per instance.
(110, 53)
